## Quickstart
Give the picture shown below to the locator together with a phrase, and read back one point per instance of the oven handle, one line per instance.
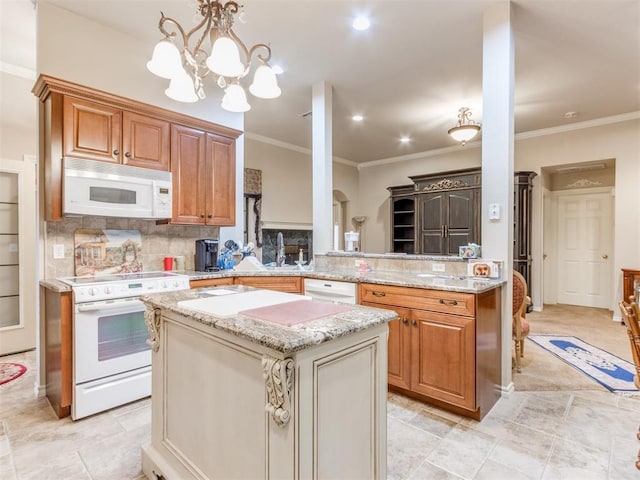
(107, 306)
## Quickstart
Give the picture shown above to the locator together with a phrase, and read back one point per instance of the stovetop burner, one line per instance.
(96, 279)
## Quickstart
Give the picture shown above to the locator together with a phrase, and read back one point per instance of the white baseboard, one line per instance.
(506, 390)
(40, 391)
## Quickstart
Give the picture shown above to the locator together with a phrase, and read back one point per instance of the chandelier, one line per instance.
(466, 128)
(186, 62)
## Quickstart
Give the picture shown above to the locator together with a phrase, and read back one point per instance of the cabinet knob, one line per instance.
(116, 152)
(127, 154)
(404, 320)
(210, 215)
(414, 323)
(378, 294)
(605, 256)
(202, 215)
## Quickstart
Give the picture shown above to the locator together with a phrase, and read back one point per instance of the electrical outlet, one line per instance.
(58, 250)
(437, 267)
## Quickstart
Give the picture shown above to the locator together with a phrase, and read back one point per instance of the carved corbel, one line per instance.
(278, 375)
(152, 319)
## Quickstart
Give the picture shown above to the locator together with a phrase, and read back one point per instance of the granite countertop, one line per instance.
(448, 283)
(272, 335)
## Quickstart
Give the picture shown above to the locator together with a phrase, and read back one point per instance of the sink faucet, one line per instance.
(280, 256)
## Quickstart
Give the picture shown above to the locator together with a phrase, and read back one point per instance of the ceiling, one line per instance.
(420, 61)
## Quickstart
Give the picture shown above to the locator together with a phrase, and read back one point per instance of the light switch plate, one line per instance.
(58, 250)
(494, 211)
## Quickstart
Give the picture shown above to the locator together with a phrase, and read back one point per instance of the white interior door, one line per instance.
(18, 289)
(584, 227)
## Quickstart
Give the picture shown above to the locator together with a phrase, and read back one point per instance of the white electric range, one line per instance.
(111, 357)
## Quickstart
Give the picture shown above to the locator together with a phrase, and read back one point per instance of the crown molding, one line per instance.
(295, 148)
(596, 122)
(419, 155)
(18, 71)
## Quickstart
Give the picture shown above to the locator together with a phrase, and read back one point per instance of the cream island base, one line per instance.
(225, 406)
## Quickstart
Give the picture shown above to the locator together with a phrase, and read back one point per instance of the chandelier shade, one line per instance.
(235, 99)
(181, 89)
(466, 128)
(265, 84)
(182, 57)
(165, 61)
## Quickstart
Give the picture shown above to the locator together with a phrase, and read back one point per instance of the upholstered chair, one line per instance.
(521, 327)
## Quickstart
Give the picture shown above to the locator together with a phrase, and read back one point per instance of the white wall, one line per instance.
(287, 181)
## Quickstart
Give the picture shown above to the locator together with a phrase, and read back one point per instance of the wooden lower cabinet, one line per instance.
(58, 323)
(281, 284)
(211, 282)
(445, 348)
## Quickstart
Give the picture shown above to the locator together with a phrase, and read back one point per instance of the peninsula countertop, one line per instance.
(281, 338)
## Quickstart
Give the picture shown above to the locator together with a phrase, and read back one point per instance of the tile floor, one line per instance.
(577, 434)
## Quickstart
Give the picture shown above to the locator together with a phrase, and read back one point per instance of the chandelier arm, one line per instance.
(264, 59)
(164, 19)
(205, 10)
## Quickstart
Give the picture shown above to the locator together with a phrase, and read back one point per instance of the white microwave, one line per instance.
(114, 190)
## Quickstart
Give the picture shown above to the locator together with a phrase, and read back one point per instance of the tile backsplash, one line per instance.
(158, 241)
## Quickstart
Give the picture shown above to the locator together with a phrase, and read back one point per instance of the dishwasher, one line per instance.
(331, 290)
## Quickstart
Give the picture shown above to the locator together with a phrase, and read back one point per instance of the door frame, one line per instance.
(551, 235)
(27, 252)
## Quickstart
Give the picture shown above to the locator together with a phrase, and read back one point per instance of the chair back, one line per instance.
(519, 293)
(631, 318)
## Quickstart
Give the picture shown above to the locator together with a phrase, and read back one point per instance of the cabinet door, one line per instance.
(432, 218)
(399, 346)
(461, 218)
(145, 141)
(220, 180)
(443, 357)
(91, 130)
(188, 172)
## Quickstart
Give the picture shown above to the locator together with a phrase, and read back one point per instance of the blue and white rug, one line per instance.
(613, 373)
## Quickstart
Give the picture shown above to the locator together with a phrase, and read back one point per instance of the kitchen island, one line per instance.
(255, 384)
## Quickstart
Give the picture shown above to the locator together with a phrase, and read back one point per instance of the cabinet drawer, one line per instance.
(210, 282)
(418, 298)
(281, 284)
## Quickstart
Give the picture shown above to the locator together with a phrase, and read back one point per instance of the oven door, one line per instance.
(109, 337)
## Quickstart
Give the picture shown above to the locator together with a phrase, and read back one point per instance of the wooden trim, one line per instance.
(46, 85)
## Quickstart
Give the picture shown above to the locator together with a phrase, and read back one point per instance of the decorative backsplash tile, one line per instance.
(103, 251)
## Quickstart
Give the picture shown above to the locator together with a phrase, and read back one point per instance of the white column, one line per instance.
(322, 156)
(497, 157)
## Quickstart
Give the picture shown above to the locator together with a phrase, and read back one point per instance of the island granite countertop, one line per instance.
(281, 338)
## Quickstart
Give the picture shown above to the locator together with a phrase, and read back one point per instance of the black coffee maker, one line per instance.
(206, 258)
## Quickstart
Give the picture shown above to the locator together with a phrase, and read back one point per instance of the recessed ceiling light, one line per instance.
(361, 23)
(405, 139)
(571, 115)
(357, 118)
(277, 69)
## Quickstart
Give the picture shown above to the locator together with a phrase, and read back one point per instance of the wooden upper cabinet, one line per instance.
(220, 180)
(100, 132)
(203, 166)
(82, 122)
(91, 130)
(145, 141)
(188, 169)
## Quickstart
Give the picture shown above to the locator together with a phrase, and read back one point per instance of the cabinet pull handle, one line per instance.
(404, 320)
(210, 215)
(202, 215)
(442, 230)
(446, 230)
(452, 302)
(414, 323)
(378, 294)
(116, 152)
(127, 154)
